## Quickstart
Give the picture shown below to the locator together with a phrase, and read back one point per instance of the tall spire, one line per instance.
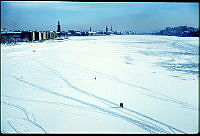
(58, 26)
(106, 29)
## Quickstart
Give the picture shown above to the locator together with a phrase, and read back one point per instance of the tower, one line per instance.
(58, 26)
(90, 29)
(106, 29)
(111, 28)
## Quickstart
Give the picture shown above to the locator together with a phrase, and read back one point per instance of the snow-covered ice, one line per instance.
(50, 87)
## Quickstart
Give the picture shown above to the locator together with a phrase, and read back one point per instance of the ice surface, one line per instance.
(50, 87)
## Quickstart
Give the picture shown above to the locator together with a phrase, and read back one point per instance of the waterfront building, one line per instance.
(47, 35)
(26, 36)
(44, 36)
(32, 36)
(71, 32)
(38, 36)
(106, 29)
(10, 36)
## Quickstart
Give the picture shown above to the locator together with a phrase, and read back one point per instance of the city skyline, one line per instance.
(141, 17)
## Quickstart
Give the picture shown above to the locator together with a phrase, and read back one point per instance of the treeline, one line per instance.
(182, 31)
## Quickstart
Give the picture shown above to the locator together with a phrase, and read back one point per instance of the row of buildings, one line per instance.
(90, 32)
(25, 36)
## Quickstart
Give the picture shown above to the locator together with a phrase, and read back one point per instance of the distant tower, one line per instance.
(90, 29)
(111, 28)
(58, 27)
(106, 29)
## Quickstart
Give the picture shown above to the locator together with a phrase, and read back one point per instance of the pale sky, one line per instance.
(123, 16)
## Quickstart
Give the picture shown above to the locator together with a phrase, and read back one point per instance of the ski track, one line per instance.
(26, 115)
(102, 99)
(140, 124)
(82, 91)
(12, 127)
(52, 103)
(74, 106)
(166, 98)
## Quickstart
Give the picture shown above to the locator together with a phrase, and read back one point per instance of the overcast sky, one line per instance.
(137, 16)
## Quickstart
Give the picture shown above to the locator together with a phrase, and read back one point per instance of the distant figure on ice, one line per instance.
(121, 104)
(95, 78)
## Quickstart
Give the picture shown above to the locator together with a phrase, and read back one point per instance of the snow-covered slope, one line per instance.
(50, 87)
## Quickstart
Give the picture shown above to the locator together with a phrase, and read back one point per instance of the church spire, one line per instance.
(58, 26)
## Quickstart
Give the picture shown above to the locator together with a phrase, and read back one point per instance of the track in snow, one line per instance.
(149, 124)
